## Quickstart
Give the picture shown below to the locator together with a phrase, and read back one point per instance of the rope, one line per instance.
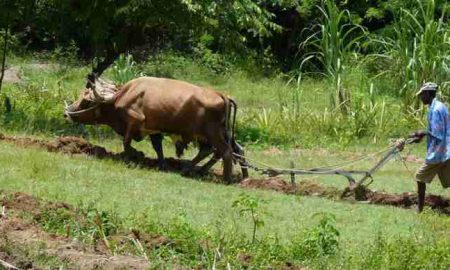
(406, 166)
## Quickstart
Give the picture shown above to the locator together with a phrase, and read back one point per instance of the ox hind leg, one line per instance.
(223, 149)
(156, 140)
(238, 149)
(205, 150)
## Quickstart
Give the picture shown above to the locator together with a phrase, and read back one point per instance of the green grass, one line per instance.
(165, 202)
(136, 193)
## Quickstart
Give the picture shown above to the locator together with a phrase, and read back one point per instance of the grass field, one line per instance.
(190, 210)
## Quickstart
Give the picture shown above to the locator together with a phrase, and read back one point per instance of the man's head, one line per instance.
(427, 92)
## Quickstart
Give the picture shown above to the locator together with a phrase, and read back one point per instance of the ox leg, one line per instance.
(130, 152)
(128, 149)
(238, 149)
(222, 149)
(156, 140)
(204, 150)
(208, 165)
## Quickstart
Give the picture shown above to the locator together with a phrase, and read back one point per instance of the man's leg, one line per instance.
(444, 174)
(421, 187)
(424, 175)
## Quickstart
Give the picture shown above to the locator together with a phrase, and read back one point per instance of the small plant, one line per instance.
(124, 69)
(323, 240)
(249, 206)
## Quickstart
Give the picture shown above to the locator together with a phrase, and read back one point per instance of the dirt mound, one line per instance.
(20, 201)
(273, 183)
(305, 187)
(76, 145)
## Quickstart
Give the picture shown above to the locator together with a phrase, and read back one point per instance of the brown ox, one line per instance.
(152, 106)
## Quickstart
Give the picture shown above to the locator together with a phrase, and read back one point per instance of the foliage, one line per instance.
(247, 205)
(124, 69)
(418, 50)
(336, 38)
(323, 240)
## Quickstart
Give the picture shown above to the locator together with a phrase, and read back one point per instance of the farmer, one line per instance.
(437, 161)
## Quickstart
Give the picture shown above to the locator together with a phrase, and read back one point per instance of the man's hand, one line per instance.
(418, 136)
(400, 144)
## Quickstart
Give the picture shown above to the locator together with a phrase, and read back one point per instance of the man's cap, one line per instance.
(429, 86)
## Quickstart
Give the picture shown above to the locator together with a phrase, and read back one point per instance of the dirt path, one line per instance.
(76, 145)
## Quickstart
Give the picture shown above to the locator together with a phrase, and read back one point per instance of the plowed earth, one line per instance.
(76, 145)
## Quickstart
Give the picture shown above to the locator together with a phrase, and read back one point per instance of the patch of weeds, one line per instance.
(405, 253)
(86, 224)
(323, 240)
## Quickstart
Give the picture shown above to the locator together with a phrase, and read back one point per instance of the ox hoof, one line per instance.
(187, 171)
(162, 166)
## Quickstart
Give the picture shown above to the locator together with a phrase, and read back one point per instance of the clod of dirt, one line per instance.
(150, 241)
(76, 145)
(312, 188)
(273, 183)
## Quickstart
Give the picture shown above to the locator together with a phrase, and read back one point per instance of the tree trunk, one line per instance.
(5, 47)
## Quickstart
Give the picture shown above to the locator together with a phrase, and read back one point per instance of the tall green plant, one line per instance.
(124, 69)
(336, 38)
(419, 50)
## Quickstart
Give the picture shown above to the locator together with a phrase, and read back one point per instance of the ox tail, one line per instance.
(233, 106)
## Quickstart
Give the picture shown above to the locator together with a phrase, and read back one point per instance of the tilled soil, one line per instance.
(311, 188)
(19, 235)
(76, 145)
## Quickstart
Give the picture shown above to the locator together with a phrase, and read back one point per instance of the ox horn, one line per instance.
(103, 91)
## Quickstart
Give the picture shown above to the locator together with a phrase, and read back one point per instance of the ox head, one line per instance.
(88, 108)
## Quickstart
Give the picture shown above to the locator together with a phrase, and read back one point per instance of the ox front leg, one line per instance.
(129, 151)
(156, 140)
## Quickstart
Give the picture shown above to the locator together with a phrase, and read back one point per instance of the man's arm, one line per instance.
(418, 136)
